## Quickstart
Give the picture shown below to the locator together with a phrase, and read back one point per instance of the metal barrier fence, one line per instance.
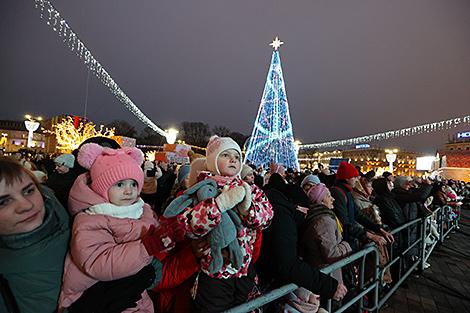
(428, 230)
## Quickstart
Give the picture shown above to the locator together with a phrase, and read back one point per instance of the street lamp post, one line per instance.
(391, 156)
(171, 135)
(32, 124)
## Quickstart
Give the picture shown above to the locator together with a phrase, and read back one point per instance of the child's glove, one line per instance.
(246, 203)
(230, 198)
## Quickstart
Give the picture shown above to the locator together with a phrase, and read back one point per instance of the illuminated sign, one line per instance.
(363, 146)
(463, 135)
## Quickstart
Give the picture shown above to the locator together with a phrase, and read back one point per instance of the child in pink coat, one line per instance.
(231, 285)
(116, 236)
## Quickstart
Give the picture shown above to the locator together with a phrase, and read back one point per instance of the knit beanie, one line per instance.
(317, 193)
(400, 181)
(215, 147)
(108, 166)
(310, 179)
(183, 173)
(346, 171)
(65, 159)
(246, 170)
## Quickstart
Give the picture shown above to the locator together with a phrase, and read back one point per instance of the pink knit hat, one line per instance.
(317, 193)
(108, 166)
(215, 147)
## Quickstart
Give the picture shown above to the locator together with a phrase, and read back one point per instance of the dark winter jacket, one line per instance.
(61, 185)
(411, 201)
(33, 262)
(279, 262)
(355, 222)
(390, 210)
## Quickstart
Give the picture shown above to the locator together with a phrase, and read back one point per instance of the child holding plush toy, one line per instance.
(118, 235)
(230, 211)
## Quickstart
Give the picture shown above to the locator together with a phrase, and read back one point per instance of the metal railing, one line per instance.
(400, 258)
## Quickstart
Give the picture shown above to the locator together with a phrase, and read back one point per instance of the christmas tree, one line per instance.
(272, 139)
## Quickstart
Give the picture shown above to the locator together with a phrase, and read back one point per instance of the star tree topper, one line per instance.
(276, 43)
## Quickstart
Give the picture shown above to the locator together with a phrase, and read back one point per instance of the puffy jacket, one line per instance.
(33, 262)
(390, 210)
(411, 201)
(103, 248)
(81, 197)
(200, 219)
(321, 242)
(280, 262)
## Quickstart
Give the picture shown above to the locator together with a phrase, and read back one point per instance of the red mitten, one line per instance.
(157, 240)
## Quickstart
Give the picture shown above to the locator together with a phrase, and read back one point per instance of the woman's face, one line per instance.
(21, 206)
(328, 200)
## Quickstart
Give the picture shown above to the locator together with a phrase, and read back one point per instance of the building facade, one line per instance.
(14, 137)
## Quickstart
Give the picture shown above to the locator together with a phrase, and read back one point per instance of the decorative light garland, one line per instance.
(392, 134)
(70, 38)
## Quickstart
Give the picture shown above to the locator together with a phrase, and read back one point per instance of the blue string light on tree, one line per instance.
(272, 139)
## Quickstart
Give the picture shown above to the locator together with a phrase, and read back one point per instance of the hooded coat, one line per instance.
(103, 248)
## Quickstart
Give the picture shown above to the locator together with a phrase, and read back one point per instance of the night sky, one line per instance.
(351, 67)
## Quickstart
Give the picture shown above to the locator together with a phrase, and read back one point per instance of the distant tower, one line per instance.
(272, 139)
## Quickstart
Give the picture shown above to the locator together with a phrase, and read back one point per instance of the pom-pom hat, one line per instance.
(215, 147)
(108, 166)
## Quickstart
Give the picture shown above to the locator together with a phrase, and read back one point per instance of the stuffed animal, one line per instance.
(222, 236)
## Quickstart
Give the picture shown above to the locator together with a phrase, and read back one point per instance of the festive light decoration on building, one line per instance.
(272, 139)
(150, 155)
(70, 137)
(70, 38)
(393, 134)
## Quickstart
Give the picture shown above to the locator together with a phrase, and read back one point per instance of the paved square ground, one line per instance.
(445, 286)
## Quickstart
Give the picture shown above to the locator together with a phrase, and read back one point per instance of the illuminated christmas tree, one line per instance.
(272, 139)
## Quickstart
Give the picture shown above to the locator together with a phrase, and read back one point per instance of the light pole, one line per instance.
(391, 156)
(297, 144)
(32, 124)
(171, 135)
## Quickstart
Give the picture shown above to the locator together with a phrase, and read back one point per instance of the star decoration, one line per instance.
(276, 43)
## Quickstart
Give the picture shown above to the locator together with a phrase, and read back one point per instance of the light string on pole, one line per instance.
(53, 18)
(392, 134)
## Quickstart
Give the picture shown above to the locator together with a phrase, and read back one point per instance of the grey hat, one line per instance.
(400, 181)
(312, 179)
(65, 159)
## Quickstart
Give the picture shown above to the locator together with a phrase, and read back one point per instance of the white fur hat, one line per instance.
(215, 147)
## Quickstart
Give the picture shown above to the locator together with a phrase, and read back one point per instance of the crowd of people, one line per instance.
(104, 230)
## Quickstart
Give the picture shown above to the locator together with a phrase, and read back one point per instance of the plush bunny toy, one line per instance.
(222, 236)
